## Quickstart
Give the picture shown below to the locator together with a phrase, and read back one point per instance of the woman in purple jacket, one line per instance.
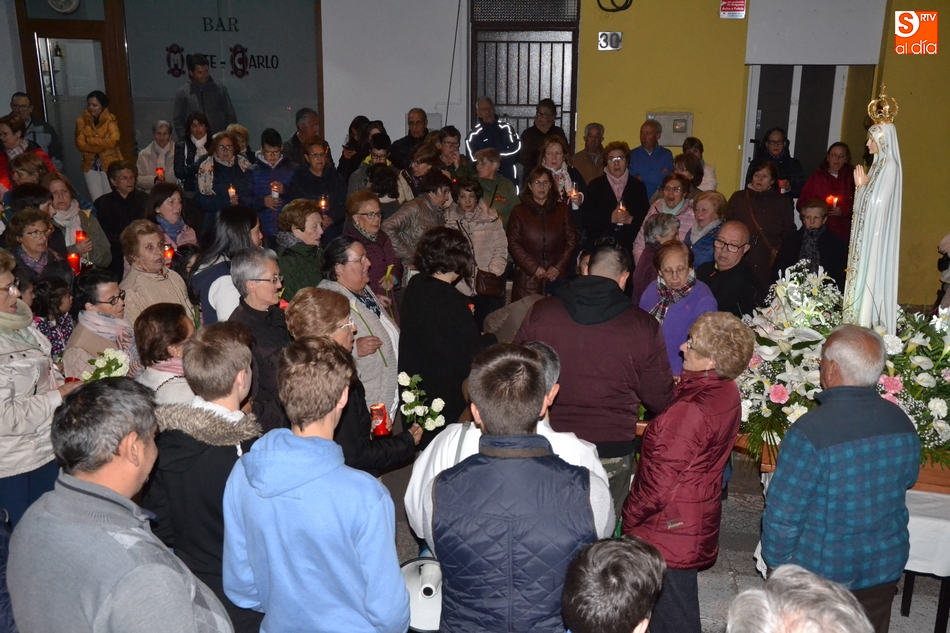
(676, 299)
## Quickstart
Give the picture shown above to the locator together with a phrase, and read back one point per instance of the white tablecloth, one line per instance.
(929, 528)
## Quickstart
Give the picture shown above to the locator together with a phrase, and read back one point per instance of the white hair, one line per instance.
(795, 600)
(859, 352)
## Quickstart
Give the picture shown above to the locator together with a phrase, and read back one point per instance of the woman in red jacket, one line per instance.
(833, 182)
(14, 143)
(675, 501)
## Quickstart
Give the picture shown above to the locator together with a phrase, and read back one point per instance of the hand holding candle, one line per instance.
(80, 236)
(275, 190)
(232, 193)
(323, 204)
(159, 174)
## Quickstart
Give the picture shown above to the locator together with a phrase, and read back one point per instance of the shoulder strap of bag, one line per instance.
(758, 227)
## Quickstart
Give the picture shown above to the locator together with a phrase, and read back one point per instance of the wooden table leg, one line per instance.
(943, 606)
(907, 593)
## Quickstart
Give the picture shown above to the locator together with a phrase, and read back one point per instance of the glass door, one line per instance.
(69, 70)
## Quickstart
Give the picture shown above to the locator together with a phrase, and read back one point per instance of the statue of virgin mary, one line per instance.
(870, 294)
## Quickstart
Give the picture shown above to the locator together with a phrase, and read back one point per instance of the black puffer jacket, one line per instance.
(196, 451)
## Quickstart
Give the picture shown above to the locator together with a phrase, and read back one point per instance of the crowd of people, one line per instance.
(273, 304)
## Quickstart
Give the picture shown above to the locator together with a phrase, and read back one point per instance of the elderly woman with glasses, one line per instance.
(319, 312)
(660, 229)
(317, 179)
(674, 201)
(616, 202)
(101, 324)
(256, 275)
(156, 163)
(32, 391)
(365, 226)
(346, 269)
(27, 237)
(675, 502)
(676, 299)
(224, 178)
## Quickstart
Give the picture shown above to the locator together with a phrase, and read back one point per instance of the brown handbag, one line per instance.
(488, 284)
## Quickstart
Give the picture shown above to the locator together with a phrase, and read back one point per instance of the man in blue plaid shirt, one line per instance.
(836, 503)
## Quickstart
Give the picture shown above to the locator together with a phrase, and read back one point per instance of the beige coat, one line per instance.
(82, 347)
(485, 231)
(146, 289)
(28, 397)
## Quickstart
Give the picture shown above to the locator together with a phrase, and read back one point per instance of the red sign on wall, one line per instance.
(732, 9)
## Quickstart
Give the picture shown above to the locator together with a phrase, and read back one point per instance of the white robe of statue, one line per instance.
(870, 294)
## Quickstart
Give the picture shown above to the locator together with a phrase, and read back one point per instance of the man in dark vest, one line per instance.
(506, 522)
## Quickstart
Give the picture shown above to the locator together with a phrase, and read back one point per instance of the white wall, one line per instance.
(382, 58)
(11, 68)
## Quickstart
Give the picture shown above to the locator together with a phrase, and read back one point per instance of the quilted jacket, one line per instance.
(101, 139)
(675, 502)
(504, 549)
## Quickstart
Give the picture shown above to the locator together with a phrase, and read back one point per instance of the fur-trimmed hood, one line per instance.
(187, 433)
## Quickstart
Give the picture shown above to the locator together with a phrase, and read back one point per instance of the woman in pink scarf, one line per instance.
(616, 203)
(161, 332)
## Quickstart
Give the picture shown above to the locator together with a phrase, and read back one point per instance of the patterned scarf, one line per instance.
(668, 296)
(370, 237)
(562, 181)
(36, 265)
(367, 300)
(810, 248)
(13, 152)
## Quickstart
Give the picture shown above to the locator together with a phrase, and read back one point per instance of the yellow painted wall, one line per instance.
(921, 85)
(694, 62)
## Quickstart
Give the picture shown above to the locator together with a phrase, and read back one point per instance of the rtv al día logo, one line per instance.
(915, 32)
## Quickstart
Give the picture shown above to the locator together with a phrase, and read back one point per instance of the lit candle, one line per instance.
(830, 200)
(232, 191)
(169, 253)
(622, 208)
(273, 190)
(323, 203)
(80, 236)
(74, 262)
(160, 174)
(835, 202)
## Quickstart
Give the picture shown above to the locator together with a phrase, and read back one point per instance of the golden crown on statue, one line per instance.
(880, 109)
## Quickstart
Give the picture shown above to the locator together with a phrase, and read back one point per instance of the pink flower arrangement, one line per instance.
(892, 384)
(946, 374)
(755, 361)
(778, 394)
(889, 397)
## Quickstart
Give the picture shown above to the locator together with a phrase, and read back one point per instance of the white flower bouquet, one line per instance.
(783, 376)
(414, 406)
(110, 363)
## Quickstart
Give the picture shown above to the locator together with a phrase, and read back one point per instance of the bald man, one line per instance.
(731, 280)
(836, 504)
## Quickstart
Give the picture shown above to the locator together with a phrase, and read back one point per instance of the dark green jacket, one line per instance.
(300, 266)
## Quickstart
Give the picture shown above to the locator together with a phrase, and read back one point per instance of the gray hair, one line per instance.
(659, 227)
(94, 419)
(304, 113)
(550, 362)
(588, 127)
(795, 600)
(657, 126)
(161, 124)
(859, 353)
(488, 99)
(248, 264)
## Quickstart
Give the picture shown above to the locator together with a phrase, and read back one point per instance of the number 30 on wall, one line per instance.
(609, 41)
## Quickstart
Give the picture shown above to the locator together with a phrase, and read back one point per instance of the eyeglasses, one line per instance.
(689, 342)
(672, 189)
(450, 145)
(726, 246)
(361, 260)
(775, 142)
(225, 148)
(112, 301)
(616, 159)
(276, 280)
(13, 289)
(544, 115)
(349, 324)
(318, 155)
(38, 234)
(371, 216)
(541, 183)
(674, 272)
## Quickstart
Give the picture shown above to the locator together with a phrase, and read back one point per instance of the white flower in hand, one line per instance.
(440, 421)
(421, 410)
(437, 405)
(408, 396)
(403, 379)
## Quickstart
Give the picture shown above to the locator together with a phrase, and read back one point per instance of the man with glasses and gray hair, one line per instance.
(731, 280)
(836, 504)
(256, 275)
(88, 544)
